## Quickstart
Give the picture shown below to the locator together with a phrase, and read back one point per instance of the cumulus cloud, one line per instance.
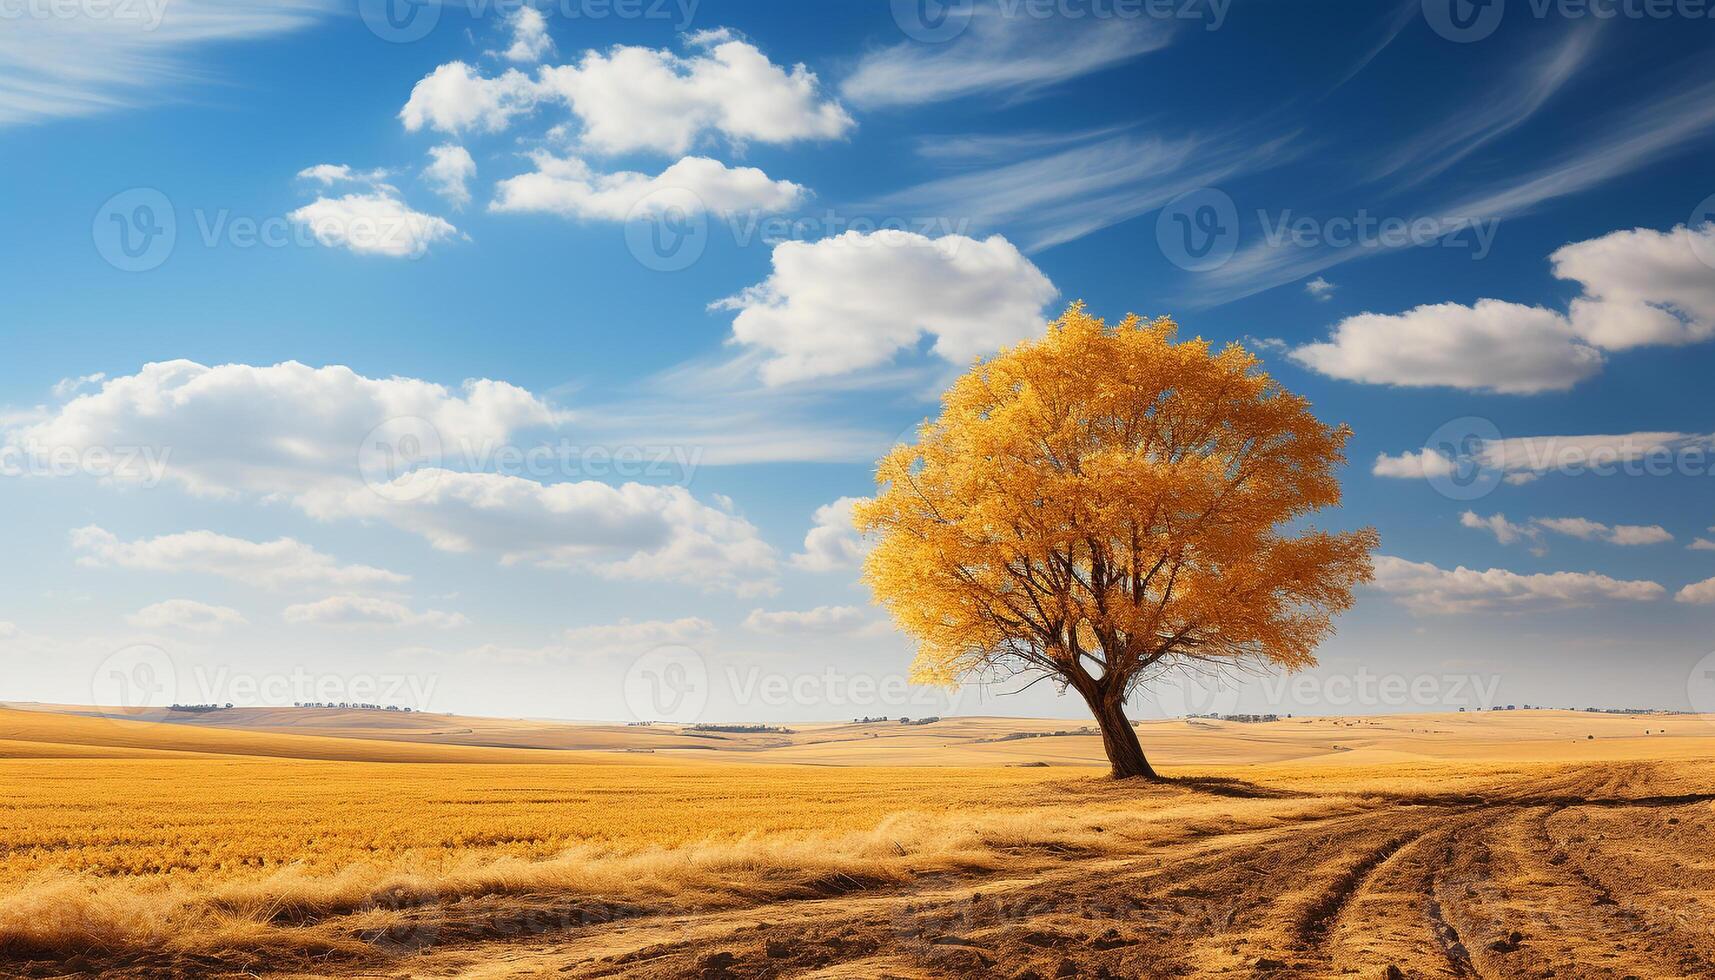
(1525, 458)
(633, 98)
(1423, 465)
(632, 531)
(374, 223)
(833, 542)
(854, 301)
(1492, 346)
(368, 612)
(450, 172)
(1588, 530)
(307, 433)
(695, 185)
(1000, 51)
(301, 426)
(1702, 544)
(1640, 287)
(329, 174)
(822, 620)
(1626, 535)
(628, 99)
(67, 387)
(530, 40)
(1505, 531)
(186, 614)
(1428, 589)
(455, 98)
(1320, 288)
(1700, 594)
(282, 563)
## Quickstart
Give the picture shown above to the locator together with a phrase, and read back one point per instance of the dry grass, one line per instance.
(181, 849)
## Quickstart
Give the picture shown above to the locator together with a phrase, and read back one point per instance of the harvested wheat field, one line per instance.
(326, 843)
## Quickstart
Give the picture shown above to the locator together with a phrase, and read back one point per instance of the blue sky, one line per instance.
(742, 246)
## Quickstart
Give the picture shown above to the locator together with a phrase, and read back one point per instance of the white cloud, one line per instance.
(454, 98)
(1642, 286)
(1588, 530)
(1428, 589)
(186, 614)
(368, 611)
(1087, 181)
(328, 174)
(822, 620)
(1428, 464)
(450, 172)
(1526, 458)
(530, 40)
(1702, 593)
(1633, 136)
(1635, 534)
(852, 302)
(1505, 531)
(633, 98)
(67, 387)
(106, 58)
(282, 563)
(1320, 288)
(376, 223)
(306, 434)
(7, 630)
(1625, 535)
(833, 542)
(1702, 544)
(1001, 51)
(695, 185)
(630, 531)
(300, 427)
(1492, 346)
(626, 638)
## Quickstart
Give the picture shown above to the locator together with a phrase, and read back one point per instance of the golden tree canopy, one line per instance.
(1105, 503)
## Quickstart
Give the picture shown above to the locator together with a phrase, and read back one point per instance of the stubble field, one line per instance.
(311, 843)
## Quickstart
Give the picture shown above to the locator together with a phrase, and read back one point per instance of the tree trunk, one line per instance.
(1119, 739)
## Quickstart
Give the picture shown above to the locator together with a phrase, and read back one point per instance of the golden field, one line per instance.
(310, 842)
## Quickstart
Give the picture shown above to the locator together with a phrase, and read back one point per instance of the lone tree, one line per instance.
(1104, 506)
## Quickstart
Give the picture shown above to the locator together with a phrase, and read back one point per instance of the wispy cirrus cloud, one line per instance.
(59, 60)
(1628, 140)
(1098, 181)
(1002, 50)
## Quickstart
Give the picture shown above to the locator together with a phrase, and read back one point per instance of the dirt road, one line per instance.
(1590, 872)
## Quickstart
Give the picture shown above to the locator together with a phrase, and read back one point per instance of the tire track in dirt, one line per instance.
(1507, 884)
